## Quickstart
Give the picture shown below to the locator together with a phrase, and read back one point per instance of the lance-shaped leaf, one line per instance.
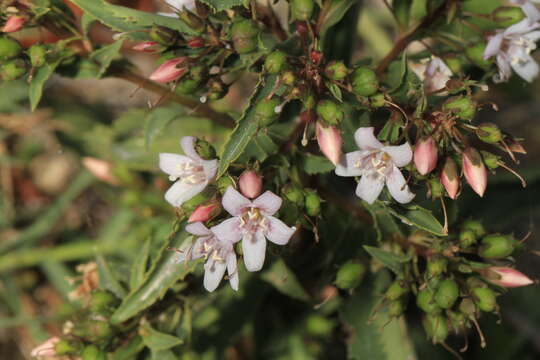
(415, 215)
(41, 76)
(285, 281)
(334, 13)
(390, 260)
(219, 5)
(156, 340)
(106, 55)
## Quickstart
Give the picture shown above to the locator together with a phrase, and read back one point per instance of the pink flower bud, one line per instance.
(250, 184)
(146, 46)
(46, 349)
(329, 139)
(450, 178)
(506, 277)
(100, 169)
(169, 71)
(425, 155)
(475, 170)
(205, 212)
(14, 23)
(196, 42)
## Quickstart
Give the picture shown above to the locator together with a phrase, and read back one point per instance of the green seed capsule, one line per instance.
(317, 325)
(93, 330)
(364, 82)
(205, 149)
(467, 238)
(103, 302)
(436, 328)
(265, 111)
(396, 308)
(9, 48)
(475, 53)
(492, 161)
(294, 194)
(330, 112)
(436, 266)
(275, 62)
(396, 290)
(463, 107)
(13, 69)
(163, 35)
(506, 16)
(377, 100)
(467, 307)
(425, 300)
(497, 246)
(458, 321)
(350, 275)
(336, 70)
(475, 226)
(187, 86)
(92, 352)
(484, 298)
(313, 203)
(489, 133)
(302, 9)
(192, 20)
(447, 293)
(37, 54)
(244, 36)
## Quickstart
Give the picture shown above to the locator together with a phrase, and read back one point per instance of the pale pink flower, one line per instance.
(46, 349)
(474, 170)
(13, 23)
(329, 140)
(146, 46)
(253, 223)
(425, 155)
(191, 172)
(205, 212)
(377, 165)
(507, 277)
(450, 178)
(250, 184)
(101, 169)
(170, 70)
(434, 74)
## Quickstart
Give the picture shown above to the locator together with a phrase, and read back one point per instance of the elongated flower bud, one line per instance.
(169, 71)
(450, 178)
(46, 349)
(475, 170)
(196, 42)
(101, 169)
(250, 184)
(507, 277)
(146, 46)
(205, 212)
(13, 23)
(425, 155)
(329, 139)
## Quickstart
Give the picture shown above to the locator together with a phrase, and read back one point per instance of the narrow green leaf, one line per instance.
(314, 164)
(335, 90)
(157, 121)
(58, 274)
(138, 268)
(35, 91)
(334, 14)
(285, 281)
(390, 260)
(163, 355)
(128, 351)
(106, 55)
(260, 148)
(419, 9)
(156, 340)
(396, 74)
(219, 5)
(421, 218)
(107, 279)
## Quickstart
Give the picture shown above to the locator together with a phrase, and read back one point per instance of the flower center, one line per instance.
(521, 56)
(252, 220)
(190, 173)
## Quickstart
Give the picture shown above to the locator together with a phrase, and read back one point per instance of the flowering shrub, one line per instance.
(263, 191)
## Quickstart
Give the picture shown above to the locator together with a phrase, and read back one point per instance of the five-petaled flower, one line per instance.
(512, 49)
(191, 172)
(219, 254)
(377, 165)
(253, 223)
(435, 74)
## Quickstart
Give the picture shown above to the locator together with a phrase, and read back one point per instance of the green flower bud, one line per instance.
(336, 70)
(317, 325)
(13, 69)
(103, 302)
(163, 35)
(302, 9)
(223, 183)
(475, 226)
(506, 16)
(436, 328)
(37, 54)
(484, 298)
(377, 100)
(67, 347)
(244, 36)
(461, 106)
(350, 275)
(93, 330)
(205, 195)
(425, 300)
(192, 20)
(92, 352)
(330, 112)
(9, 48)
(491, 160)
(467, 238)
(313, 203)
(436, 189)
(447, 293)
(489, 133)
(396, 308)
(265, 111)
(467, 307)
(205, 149)
(497, 246)
(396, 290)
(436, 266)
(475, 53)
(288, 78)
(187, 86)
(294, 194)
(364, 81)
(275, 62)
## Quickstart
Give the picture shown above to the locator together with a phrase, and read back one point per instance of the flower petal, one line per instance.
(528, 69)
(210, 168)
(234, 202)
(530, 11)
(493, 46)
(401, 155)
(170, 163)
(228, 230)
(254, 249)
(198, 228)
(352, 164)
(370, 187)
(268, 202)
(522, 27)
(188, 146)
(366, 140)
(213, 273)
(398, 187)
(232, 270)
(278, 232)
(533, 36)
(181, 192)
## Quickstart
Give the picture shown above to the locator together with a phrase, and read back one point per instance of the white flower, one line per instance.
(377, 165)
(191, 172)
(434, 74)
(529, 9)
(219, 254)
(178, 5)
(512, 48)
(253, 223)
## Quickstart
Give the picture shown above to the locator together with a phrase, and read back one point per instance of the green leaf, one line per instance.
(138, 268)
(390, 260)
(419, 9)
(157, 341)
(335, 90)
(157, 120)
(86, 22)
(285, 281)
(106, 55)
(129, 350)
(421, 218)
(165, 274)
(35, 90)
(314, 164)
(124, 19)
(163, 355)
(396, 74)
(334, 14)
(219, 5)
(246, 128)
(107, 279)
(260, 148)
(385, 224)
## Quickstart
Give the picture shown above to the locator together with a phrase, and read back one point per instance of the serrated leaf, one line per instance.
(156, 121)
(138, 268)
(107, 279)
(156, 340)
(421, 218)
(35, 91)
(106, 55)
(219, 5)
(285, 281)
(390, 260)
(165, 273)
(334, 14)
(260, 148)
(314, 164)
(124, 19)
